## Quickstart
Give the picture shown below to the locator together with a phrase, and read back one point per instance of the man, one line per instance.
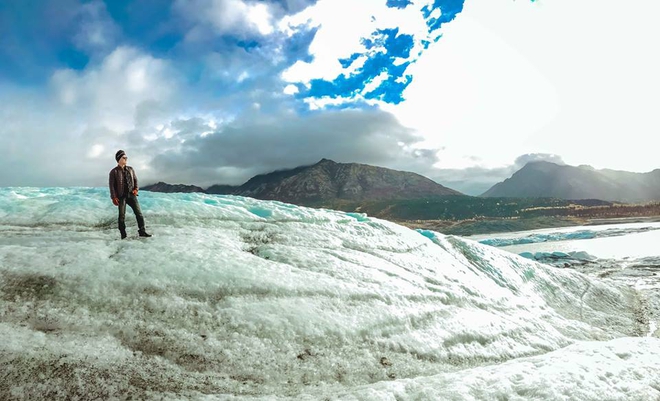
(124, 190)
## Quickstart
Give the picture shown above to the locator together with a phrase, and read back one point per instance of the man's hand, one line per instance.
(115, 201)
(135, 192)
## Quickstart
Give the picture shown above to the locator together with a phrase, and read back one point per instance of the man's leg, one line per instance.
(135, 205)
(122, 217)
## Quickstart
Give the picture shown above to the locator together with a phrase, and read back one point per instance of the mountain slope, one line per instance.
(326, 181)
(545, 179)
(172, 188)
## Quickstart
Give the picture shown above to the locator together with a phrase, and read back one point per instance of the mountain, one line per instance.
(550, 180)
(222, 189)
(330, 181)
(169, 188)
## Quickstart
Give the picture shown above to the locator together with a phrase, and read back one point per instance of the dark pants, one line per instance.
(131, 201)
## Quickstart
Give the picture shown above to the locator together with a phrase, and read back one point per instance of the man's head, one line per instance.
(121, 158)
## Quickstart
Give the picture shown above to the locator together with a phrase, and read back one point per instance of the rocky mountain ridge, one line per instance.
(327, 181)
(551, 180)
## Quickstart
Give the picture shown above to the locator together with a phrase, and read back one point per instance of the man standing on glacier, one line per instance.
(124, 190)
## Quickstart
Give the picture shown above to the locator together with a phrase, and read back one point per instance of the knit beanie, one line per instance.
(119, 154)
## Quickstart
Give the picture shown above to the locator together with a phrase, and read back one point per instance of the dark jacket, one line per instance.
(117, 179)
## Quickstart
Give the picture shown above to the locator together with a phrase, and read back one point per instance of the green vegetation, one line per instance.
(467, 215)
(461, 207)
(491, 225)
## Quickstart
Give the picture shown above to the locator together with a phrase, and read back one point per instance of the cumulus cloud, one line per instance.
(236, 17)
(97, 30)
(111, 93)
(226, 91)
(137, 102)
(133, 100)
(243, 16)
(364, 55)
(64, 135)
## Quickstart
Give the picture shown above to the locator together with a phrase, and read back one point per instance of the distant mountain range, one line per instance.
(169, 188)
(331, 184)
(326, 181)
(550, 180)
(542, 191)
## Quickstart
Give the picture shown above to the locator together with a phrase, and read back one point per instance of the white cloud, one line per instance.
(110, 94)
(320, 103)
(96, 151)
(507, 78)
(473, 94)
(577, 79)
(244, 75)
(342, 26)
(375, 83)
(259, 16)
(68, 133)
(235, 17)
(290, 90)
(97, 30)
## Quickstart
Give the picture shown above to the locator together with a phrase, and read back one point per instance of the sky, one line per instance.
(240, 299)
(207, 92)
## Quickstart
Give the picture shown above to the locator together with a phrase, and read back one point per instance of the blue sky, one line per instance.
(215, 91)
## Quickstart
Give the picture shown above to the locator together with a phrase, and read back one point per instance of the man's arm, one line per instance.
(135, 181)
(111, 183)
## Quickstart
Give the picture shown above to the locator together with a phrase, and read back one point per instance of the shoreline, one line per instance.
(623, 220)
(466, 228)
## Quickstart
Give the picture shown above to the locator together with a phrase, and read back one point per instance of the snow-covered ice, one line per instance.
(238, 298)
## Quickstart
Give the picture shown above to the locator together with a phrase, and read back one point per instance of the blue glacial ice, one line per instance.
(238, 298)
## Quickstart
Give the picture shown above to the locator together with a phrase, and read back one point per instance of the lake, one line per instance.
(614, 241)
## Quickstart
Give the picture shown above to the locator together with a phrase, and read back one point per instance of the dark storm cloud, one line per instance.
(248, 147)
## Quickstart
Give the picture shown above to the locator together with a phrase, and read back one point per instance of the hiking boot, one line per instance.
(144, 234)
(123, 234)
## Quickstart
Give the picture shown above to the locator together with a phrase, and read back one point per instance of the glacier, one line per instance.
(236, 298)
